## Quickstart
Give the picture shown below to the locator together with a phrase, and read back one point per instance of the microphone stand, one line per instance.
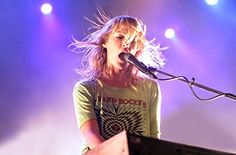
(193, 83)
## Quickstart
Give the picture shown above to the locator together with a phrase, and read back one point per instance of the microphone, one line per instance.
(134, 61)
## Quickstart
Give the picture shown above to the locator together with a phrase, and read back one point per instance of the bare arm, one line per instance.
(90, 131)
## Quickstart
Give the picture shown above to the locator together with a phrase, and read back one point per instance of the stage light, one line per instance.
(170, 33)
(46, 8)
(212, 2)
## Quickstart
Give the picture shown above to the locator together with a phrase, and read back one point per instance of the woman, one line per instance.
(114, 96)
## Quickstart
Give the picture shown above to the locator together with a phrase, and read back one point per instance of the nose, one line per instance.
(126, 47)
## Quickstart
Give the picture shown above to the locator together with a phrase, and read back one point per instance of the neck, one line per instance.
(115, 78)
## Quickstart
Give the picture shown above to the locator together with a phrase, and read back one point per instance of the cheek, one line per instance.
(136, 53)
(114, 45)
(133, 52)
(117, 43)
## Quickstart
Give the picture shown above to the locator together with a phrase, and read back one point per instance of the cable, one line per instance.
(191, 84)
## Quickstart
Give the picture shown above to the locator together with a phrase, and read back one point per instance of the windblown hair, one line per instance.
(94, 54)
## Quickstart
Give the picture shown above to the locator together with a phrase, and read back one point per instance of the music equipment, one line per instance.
(128, 144)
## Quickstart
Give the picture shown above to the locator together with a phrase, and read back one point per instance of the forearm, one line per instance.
(91, 133)
(93, 139)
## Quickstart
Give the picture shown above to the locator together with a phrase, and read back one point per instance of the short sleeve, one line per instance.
(83, 97)
(155, 110)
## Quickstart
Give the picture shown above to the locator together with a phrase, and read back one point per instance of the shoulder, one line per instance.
(85, 84)
(149, 82)
(149, 85)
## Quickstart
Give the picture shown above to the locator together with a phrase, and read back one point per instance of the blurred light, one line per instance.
(211, 2)
(46, 8)
(170, 33)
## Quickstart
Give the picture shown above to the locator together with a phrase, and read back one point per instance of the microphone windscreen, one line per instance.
(124, 56)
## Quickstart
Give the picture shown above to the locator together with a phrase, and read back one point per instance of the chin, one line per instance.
(122, 65)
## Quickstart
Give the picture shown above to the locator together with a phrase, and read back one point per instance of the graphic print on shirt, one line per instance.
(114, 118)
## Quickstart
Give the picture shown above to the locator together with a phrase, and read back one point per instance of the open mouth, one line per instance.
(121, 56)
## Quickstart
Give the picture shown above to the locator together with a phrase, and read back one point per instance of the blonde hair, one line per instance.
(94, 54)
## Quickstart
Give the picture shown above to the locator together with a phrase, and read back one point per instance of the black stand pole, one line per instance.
(192, 83)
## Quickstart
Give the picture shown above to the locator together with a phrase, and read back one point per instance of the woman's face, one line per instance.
(119, 41)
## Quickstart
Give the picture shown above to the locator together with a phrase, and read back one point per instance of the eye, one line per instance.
(120, 37)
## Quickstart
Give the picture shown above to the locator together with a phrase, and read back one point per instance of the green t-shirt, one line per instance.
(135, 109)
